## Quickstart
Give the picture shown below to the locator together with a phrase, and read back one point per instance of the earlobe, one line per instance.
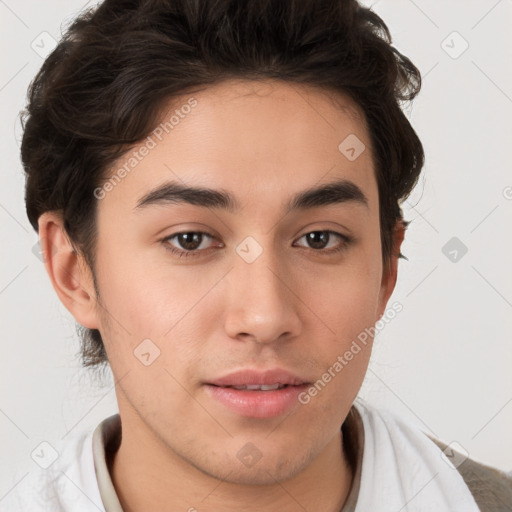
(70, 276)
(389, 275)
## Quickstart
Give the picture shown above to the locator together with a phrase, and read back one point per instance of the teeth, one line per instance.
(262, 387)
(271, 387)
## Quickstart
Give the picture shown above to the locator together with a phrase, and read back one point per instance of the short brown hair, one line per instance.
(103, 87)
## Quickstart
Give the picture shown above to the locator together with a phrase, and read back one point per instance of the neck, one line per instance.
(150, 476)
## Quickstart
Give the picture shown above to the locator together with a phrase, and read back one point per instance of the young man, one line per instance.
(216, 186)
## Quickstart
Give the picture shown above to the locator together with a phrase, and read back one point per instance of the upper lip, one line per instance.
(251, 377)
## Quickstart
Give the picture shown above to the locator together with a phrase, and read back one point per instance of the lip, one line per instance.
(257, 404)
(259, 378)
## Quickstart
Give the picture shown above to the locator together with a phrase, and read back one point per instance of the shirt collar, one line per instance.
(106, 440)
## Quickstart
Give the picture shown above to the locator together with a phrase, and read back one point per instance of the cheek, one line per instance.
(356, 308)
(342, 353)
(143, 293)
(348, 310)
(144, 300)
(349, 299)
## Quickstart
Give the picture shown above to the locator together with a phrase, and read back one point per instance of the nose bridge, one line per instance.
(261, 305)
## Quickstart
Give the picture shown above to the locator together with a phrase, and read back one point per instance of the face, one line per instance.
(253, 282)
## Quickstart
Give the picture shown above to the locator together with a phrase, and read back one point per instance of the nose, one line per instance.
(261, 303)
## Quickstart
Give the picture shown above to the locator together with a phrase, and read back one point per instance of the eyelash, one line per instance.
(184, 253)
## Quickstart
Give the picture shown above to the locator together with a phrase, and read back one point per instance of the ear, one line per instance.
(70, 275)
(389, 275)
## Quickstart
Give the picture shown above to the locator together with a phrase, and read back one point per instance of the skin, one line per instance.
(294, 307)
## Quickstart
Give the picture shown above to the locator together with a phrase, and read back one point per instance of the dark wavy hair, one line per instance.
(104, 86)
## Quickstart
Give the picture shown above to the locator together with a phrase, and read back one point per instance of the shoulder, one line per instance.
(491, 488)
(62, 479)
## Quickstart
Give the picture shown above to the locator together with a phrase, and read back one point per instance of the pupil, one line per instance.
(190, 241)
(318, 239)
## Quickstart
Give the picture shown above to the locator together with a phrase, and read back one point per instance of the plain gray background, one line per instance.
(444, 362)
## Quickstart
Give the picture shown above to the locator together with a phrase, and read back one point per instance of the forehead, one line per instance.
(264, 140)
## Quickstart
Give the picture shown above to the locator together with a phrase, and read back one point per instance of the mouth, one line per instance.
(257, 387)
(259, 379)
(257, 394)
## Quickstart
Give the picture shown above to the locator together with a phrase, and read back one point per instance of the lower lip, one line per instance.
(257, 404)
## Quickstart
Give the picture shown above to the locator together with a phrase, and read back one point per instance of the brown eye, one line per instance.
(188, 243)
(318, 239)
(325, 241)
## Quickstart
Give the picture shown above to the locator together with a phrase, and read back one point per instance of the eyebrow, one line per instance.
(336, 192)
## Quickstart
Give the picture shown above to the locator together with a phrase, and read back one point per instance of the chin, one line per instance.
(266, 471)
